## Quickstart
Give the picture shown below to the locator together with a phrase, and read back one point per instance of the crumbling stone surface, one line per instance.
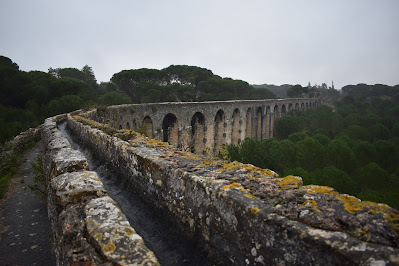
(73, 187)
(71, 190)
(245, 214)
(110, 232)
(67, 160)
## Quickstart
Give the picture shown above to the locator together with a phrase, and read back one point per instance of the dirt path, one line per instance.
(24, 226)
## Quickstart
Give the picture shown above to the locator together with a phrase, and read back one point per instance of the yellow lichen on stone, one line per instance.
(392, 219)
(254, 210)
(290, 182)
(98, 236)
(129, 231)
(253, 169)
(309, 203)
(232, 185)
(249, 196)
(229, 167)
(110, 247)
(154, 142)
(313, 189)
(353, 204)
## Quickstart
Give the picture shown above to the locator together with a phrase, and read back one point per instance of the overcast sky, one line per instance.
(273, 42)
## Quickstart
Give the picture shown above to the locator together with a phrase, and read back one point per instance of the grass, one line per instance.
(9, 163)
(39, 186)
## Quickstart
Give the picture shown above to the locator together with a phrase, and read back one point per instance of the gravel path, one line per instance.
(24, 225)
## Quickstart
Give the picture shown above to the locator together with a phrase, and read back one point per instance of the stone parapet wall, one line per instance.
(18, 143)
(244, 214)
(88, 228)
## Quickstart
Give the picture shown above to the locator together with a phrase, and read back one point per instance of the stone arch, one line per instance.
(297, 106)
(275, 110)
(236, 127)
(259, 122)
(290, 107)
(307, 107)
(248, 129)
(128, 125)
(170, 130)
(219, 130)
(198, 140)
(302, 107)
(147, 127)
(283, 110)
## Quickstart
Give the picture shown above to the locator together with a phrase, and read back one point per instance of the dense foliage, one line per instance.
(184, 83)
(353, 148)
(27, 98)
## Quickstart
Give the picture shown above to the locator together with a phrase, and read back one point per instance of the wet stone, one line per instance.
(112, 235)
(72, 187)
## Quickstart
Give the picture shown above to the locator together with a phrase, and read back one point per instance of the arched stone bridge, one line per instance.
(203, 127)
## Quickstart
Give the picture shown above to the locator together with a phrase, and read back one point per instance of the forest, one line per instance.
(27, 98)
(352, 146)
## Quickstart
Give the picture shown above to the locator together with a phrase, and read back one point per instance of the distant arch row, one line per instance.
(207, 133)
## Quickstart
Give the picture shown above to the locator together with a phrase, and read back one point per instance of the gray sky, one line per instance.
(274, 42)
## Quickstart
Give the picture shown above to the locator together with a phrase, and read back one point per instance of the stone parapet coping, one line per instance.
(244, 214)
(87, 225)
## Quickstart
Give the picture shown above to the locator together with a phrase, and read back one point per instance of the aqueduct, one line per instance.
(237, 213)
(203, 127)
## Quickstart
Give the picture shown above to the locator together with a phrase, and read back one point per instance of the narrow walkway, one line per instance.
(24, 226)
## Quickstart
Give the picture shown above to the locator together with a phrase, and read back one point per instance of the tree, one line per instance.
(341, 156)
(89, 77)
(283, 154)
(311, 154)
(336, 178)
(297, 91)
(86, 74)
(286, 126)
(114, 98)
(7, 62)
(373, 176)
(64, 104)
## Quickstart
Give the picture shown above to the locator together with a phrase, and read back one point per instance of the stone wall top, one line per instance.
(356, 230)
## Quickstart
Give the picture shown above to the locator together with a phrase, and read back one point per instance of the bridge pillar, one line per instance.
(272, 118)
(268, 123)
(264, 123)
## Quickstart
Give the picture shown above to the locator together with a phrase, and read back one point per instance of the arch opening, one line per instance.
(170, 130)
(146, 127)
(197, 143)
(283, 110)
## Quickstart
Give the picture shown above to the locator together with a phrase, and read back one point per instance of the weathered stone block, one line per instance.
(73, 187)
(113, 236)
(67, 160)
(69, 236)
(58, 143)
